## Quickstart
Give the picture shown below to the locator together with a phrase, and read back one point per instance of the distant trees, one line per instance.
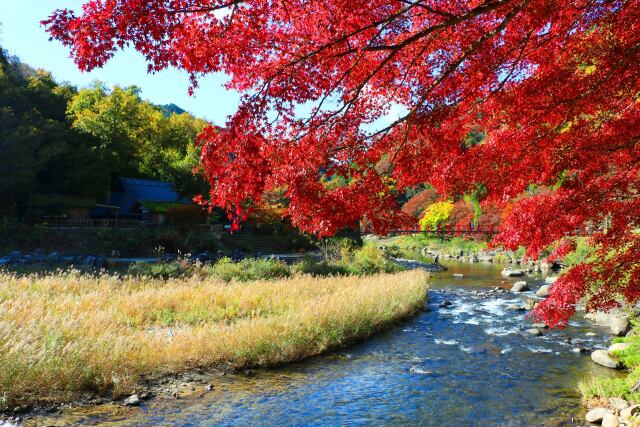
(58, 140)
(135, 137)
(33, 131)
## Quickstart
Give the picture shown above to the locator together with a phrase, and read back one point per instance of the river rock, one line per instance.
(550, 280)
(619, 325)
(631, 411)
(458, 275)
(510, 272)
(445, 304)
(530, 303)
(610, 420)
(15, 257)
(579, 350)
(39, 255)
(543, 291)
(618, 404)
(54, 258)
(515, 307)
(596, 415)
(132, 400)
(601, 357)
(619, 346)
(520, 287)
(534, 331)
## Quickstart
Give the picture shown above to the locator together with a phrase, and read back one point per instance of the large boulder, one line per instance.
(602, 357)
(543, 291)
(596, 415)
(520, 287)
(616, 320)
(619, 325)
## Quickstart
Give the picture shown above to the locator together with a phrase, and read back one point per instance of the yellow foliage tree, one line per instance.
(435, 214)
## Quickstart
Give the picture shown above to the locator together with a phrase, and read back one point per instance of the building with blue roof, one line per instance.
(146, 199)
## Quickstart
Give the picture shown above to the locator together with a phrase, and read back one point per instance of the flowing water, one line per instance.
(470, 364)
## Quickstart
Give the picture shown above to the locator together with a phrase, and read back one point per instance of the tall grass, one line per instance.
(599, 386)
(66, 333)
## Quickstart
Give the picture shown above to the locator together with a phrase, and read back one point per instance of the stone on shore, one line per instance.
(616, 320)
(618, 404)
(596, 415)
(543, 291)
(132, 400)
(602, 357)
(520, 287)
(631, 411)
(619, 325)
(610, 420)
(619, 346)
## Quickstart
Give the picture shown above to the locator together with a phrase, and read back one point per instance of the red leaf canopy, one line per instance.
(549, 90)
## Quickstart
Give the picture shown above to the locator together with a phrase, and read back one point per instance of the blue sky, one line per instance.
(22, 35)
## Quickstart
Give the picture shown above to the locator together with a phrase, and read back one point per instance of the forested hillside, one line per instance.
(60, 141)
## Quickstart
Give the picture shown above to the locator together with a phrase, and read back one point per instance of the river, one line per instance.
(469, 364)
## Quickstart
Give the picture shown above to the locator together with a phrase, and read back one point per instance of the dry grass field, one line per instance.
(67, 333)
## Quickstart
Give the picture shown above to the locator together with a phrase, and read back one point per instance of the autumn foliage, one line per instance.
(509, 95)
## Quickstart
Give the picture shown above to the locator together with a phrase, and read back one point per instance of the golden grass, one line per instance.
(66, 333)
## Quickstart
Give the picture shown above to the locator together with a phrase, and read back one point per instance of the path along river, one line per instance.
(470, 364)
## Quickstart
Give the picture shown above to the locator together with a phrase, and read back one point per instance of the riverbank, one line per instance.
(421, 247)
(67, 335)
(614, 401)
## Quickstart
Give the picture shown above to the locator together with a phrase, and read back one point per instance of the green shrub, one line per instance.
(620, 386)
(582, 253)
(369, 260)
(318, 268)
(167, 270)
(248, 269)
(604, 387)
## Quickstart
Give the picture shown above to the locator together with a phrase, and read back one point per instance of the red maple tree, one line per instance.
(512, 95)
